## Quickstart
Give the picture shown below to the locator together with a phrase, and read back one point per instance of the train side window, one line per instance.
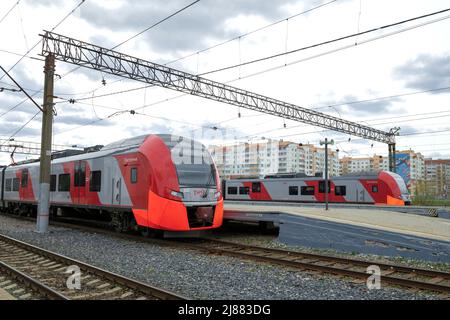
(53, 183)
(256, 187)
(322, 186)
(95, 181)
(64, 182)
(133, 177)
(8, 185)
(307, 191)
(293, 190)
(80, 174)
(340, 190)
(232, 190)
(375, 189)
(244, 190)
(15, 184)
(24, 182)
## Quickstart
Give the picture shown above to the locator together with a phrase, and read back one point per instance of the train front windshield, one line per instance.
(400, 182)
(193, 162)
(196, 175)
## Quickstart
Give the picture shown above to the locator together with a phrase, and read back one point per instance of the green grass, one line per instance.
(428, 201)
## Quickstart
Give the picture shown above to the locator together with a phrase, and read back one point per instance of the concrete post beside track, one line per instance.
(46, 147)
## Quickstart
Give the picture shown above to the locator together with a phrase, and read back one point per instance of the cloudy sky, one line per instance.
(393, 77)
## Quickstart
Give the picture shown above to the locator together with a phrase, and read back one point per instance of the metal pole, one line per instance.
(46, 144)
(392, 157)
(326, 173)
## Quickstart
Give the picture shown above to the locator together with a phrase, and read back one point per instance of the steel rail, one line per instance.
(294, 259)
(118, 279)
(34, 284)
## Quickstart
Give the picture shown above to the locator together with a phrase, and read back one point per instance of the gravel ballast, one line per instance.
(194, 274)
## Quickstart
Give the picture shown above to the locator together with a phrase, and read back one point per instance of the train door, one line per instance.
(116, 190)
(360, 194)
(79, 183)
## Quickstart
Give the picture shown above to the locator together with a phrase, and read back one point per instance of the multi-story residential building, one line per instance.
(411, 167)
(437, 182)
(375, 163)
(409, 164)
(259, 159)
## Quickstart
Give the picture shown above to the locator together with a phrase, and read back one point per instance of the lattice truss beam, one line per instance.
(30, 148)
(94, 57)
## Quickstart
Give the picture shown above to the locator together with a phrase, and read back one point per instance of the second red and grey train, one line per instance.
(385, 188)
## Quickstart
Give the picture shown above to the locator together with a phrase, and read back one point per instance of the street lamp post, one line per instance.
(326, 143)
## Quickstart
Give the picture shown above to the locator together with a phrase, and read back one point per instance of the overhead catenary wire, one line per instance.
(22, 57)
(442, 114)
(122, 43)
(249, 33)
(37, 43)
(368, 120)
(212, 47)
(156, 24)
(141, 32)
(329, 52)
(21, 128)
(325, 42)
(9, 11)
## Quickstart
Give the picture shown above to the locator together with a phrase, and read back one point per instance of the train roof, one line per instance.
(128, 145)
(360, 175)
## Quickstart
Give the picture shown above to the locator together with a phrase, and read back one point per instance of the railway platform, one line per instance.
(417, 225)
(367, 231)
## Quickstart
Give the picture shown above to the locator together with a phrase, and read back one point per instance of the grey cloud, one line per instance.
(437, 155)
(188, 30)
(425, 72)
(407, 129)
(148, 129)
(369, 107)
(76, 120)
(8, 130)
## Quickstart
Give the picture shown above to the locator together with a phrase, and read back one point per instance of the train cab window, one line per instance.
(322, 186)
(340, 190)
(375, 189)
(80, 174)
(15, 184)
(307, 191)
(293, 190)
(256, 187)
(8, 185)
(64, 182)
(133, 177)
(53, 183)
(95, 181)
(232, 190)
(24, 180)
(244, 190)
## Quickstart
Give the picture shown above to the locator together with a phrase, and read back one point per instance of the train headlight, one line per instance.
(217, 195)
(177, 194)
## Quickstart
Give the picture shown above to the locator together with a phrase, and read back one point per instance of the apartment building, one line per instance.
(259, 159)
(409, 164)
(437, 181)
(375, 163)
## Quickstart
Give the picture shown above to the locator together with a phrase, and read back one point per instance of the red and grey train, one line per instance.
(385, 187)
(158, 181)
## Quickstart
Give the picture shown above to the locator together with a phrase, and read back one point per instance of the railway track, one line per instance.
(48, 273)
(415, 278)
(400, 275)
(24, 287)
